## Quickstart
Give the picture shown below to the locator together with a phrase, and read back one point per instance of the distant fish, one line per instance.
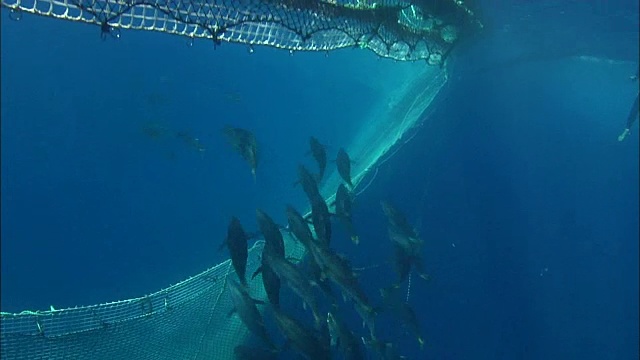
(344, 166)
(236, 241)
(244, 143)
(320, 155)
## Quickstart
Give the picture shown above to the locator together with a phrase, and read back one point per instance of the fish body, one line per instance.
(319, 153)
(321, 220)
(236, 241)
(244, 143)
(271, 232)
(307, 342)
(309, 184)
(343, 163)
(299, 226)
(343, 205)
(296, 280)
(343, 338)
(246, 308)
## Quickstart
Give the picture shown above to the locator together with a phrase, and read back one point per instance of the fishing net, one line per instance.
(189, 320)
(402, 30)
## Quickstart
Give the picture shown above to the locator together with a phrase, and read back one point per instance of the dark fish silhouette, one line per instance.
(407, 244)
(339, 270)
(246, 308)
(404, 260)
(344, 339)
(309, 184)
(401, 232)
(405, 314)
(344, 166)
(321, 220)
(320, 155)
(343, 205)
(306, 341)
(236, 241)
(271, 232)
(297, 281)
(244, 143)
(274, 246)
(300, 229)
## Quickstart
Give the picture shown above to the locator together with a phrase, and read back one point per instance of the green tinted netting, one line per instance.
(402, 30)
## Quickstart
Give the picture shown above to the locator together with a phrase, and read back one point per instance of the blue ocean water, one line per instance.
(526, 201)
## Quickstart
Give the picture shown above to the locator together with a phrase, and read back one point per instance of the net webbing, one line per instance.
(394, 29)
(189, 320)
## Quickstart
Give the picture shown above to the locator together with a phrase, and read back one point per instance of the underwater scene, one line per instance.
(330, 179)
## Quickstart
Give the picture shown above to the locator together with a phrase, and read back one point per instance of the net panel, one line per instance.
(189, 320)
(400, 30)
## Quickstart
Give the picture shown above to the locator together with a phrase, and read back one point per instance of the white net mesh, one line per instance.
(188, 320)
(389, 28)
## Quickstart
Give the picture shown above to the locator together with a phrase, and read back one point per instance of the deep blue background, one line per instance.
(516, 172)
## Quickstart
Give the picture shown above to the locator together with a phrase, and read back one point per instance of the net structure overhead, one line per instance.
(401, 30)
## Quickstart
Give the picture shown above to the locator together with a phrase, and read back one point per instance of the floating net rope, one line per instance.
(402, 30)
